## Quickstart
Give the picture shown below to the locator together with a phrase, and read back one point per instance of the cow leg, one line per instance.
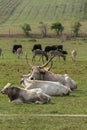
(40, 58)
(58, 58)
(33, 57)
(43, 98)
(18, 56)
(17, 101)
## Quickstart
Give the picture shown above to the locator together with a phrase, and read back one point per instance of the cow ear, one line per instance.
(42, 71)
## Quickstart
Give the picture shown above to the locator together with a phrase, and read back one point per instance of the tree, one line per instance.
(58, 27)
(76, 28)
(43, 28)
(26, 28)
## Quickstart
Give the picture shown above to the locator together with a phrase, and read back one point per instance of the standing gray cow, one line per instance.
(40, 53)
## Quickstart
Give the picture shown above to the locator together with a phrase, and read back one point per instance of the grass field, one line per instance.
(19, 116)
(14, 13)
(21, 11)
(64, 113)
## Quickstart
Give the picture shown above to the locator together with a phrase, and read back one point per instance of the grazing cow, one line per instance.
(60, 47)
(15, 47)
(39, 73)
(63, 52)
(58, 54)
(21, 95)
(50, 48)
(49, 87)
(73, 55)
(39, 53)
(37, 46)
(0, 51)
(53, 47)
(19, 52)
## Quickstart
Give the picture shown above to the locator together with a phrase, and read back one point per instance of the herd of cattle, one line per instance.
(40, 84)
(49, 51)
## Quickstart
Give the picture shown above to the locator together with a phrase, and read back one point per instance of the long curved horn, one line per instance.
(44, 65)
(28, 61)
(50, 66)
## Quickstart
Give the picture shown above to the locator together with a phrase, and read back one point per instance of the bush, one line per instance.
(26, 28)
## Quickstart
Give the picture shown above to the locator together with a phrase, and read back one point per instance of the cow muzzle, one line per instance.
(2, 92)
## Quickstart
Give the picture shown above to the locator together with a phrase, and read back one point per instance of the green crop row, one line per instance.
(20, 11)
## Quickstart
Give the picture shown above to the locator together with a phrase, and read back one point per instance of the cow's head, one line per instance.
(38, 72)
(6, 89)
(70, 83)
(11, 91)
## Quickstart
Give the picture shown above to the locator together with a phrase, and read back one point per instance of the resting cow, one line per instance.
(20, 95)
(49, 87)
(39, 73)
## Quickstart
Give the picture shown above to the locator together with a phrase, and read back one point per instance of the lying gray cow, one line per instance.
(49, 87)
(21, 95)
(39, 73)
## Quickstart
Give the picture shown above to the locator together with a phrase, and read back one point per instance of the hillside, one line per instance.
(35, 11)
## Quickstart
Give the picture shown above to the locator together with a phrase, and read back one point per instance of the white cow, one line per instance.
(62, 79)
(49, 87)
(73, 55)
(21, 95)
(19, 52)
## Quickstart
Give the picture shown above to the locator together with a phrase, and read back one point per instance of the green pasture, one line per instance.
(43, 123)
(35, 11)
(27, 116)
(14, 13)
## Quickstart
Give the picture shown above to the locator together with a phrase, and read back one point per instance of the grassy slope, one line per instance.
(34, 11)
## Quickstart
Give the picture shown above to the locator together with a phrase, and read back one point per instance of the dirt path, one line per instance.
(47, 115)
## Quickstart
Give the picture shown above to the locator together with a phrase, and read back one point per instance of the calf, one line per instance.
(21, 95)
